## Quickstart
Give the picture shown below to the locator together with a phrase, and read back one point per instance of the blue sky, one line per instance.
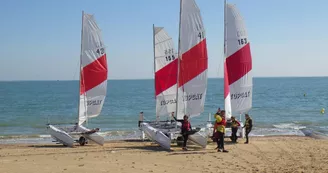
(40, 39)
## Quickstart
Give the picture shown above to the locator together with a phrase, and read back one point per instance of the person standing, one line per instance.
(140, 118)
(248, 125)
(185, 129)
(220, 130)
(234, 128)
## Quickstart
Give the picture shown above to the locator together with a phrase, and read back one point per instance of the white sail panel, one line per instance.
(227, 98)
(93, 79)
(238, 62)
(193, 60)
(166, 68)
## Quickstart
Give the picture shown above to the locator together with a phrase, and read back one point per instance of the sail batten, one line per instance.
(93, 71)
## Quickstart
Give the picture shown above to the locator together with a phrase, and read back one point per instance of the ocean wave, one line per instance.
(289, 126)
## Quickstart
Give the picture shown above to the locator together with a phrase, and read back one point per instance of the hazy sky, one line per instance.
(40, 39)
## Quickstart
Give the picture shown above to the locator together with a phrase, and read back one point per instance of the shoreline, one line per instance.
(262, 154)
(227, 140)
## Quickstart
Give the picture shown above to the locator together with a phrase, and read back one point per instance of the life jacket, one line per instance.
(185, 126)
(235, 123)
(222, 122)
(247, 125)
(220, 126)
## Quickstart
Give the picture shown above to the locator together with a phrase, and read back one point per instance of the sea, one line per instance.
(281, 106)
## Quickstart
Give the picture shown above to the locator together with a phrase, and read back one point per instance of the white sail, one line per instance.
(238, 63)
(193, 61)
(93, 74)
(166, 68)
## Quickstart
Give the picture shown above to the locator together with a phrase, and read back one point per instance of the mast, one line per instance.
(225, 43)
(177, 94)
(154, 63)
(78, 108)
(225, 30)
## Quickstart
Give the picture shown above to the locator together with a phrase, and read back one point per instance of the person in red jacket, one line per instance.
(234, 128)
(185, 129)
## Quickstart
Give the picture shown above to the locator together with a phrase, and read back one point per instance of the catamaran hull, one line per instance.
(93, 137)
(199, 139)
(166, 135)
(156, 135)
(61, 136)
(65, 134)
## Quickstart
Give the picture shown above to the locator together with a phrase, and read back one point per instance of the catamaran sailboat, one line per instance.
(238, 80)
(93, 87)
(180, 81)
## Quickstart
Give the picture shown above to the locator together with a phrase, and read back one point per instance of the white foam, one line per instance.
(289, 126)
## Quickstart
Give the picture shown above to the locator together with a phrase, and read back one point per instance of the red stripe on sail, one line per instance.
(226, 81)
(166, 77)
(239, 64)
(93, 74)
(193, 63)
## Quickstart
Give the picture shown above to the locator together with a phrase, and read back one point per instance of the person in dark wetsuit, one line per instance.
(185, 130)
(248, 125)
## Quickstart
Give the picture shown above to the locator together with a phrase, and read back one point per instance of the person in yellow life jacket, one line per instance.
(215, 135)
(248, 125)
(234, 128)
(219, 130)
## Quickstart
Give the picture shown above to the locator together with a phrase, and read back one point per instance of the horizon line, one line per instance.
(153, 78)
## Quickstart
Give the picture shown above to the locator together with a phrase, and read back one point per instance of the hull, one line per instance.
(66, 134)
(199, 139)
(170, 132)
(156, 136)
(61, 136)
(95, 137)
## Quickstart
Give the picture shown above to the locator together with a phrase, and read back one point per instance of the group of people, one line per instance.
(218, 130)
(220, 125)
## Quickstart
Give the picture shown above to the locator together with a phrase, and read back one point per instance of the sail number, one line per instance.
(242, 41)
(201, 35)
(100, 51)
(169, 54)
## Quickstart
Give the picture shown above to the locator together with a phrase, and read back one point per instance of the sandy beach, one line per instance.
(263, 154)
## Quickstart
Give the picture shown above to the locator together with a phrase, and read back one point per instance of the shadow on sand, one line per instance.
(149, 148)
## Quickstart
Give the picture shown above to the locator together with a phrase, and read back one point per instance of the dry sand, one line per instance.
(263, 154)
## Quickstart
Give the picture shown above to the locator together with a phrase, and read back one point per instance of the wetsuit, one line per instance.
(248, 125)
(185, 130)
(234, 129)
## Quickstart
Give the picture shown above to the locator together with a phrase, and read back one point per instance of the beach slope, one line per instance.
(263, 154)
